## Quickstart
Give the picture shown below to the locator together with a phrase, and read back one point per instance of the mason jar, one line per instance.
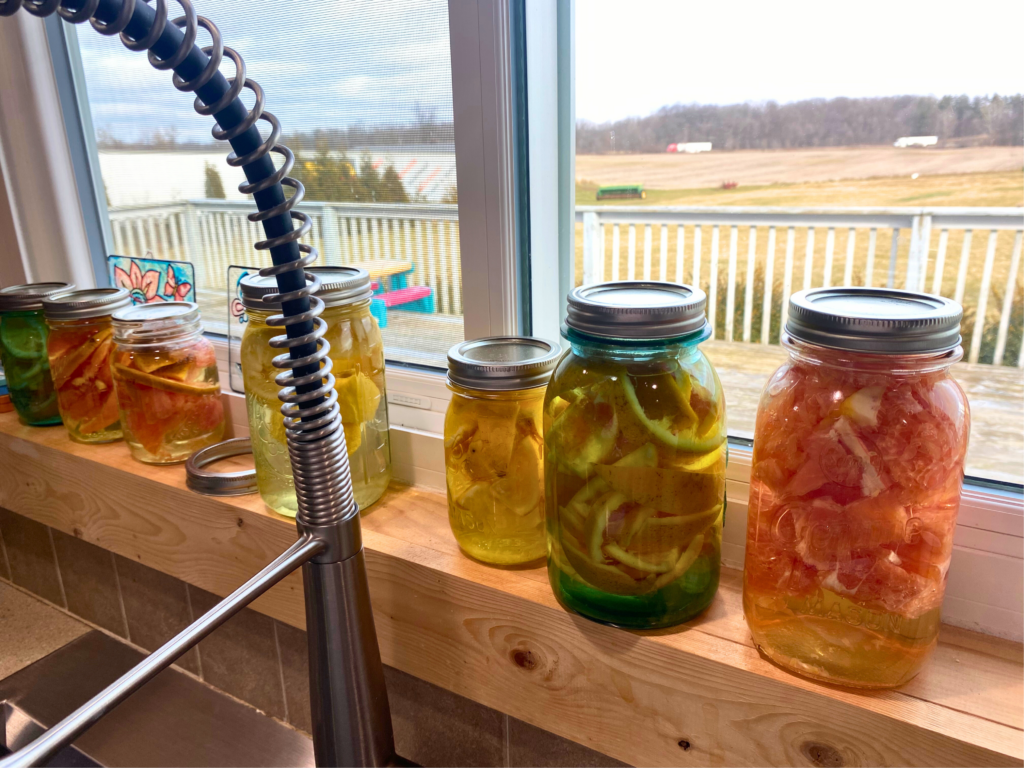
(493, 446)
(858, 464)
(165, 377)
(357, 356)
(635, 455)
(80, 348)
(23, 351)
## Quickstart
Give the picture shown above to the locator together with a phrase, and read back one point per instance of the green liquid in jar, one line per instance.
(27, 368)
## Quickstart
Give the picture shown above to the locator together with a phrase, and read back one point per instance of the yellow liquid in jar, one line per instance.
(493, 454)
(829, 638)
(358, 357)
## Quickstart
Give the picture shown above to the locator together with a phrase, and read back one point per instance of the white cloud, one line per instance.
(633, 58)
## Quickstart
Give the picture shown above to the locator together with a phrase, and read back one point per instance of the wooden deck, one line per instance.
(996, 394)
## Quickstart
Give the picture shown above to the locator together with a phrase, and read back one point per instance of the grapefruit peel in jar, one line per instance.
(854, 494)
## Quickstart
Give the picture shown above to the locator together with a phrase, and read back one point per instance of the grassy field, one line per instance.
(1004, 188)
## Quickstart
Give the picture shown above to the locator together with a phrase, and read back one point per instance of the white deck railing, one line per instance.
(214, 234)
(970, 254)
(784, 252)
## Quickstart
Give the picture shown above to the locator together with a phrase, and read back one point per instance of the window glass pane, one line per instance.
(812, 107)
(363, 93)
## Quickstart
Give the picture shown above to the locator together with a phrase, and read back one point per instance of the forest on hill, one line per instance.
(956, 120)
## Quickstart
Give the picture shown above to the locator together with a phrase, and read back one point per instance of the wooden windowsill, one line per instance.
(500, 638)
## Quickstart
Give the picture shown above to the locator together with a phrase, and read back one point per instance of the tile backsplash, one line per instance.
(258, 659)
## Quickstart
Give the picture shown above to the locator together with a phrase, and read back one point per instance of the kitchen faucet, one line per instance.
(350, 714)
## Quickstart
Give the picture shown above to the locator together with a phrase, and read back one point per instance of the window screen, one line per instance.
(720, 161)
(363, 93)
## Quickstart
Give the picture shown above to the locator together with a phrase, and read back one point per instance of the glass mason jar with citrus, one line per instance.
(858, 464)
(357, 358)
(635, 455)
(80, 347)
(493, 446)
(23, 335)
(165, 377)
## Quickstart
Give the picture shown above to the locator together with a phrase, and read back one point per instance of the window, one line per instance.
(720, 159)
(546, 209)
(364, 97)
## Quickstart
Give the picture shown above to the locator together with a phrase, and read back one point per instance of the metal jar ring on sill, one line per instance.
(210, 483)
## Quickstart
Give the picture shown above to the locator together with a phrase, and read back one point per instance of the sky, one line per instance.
(321, 63)
(635, 56)
(333, 63)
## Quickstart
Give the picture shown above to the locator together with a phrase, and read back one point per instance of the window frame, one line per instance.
(52, 203)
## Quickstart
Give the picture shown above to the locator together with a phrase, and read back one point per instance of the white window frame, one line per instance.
(41, 212)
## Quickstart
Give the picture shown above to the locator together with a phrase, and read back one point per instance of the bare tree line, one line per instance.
(956, 120)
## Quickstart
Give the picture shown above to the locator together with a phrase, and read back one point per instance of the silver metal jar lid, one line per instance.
(636, 309)
(159, 321)
(82, 305)
(255, 287)
(338, 286)
(502, 362)
(24, 298)
(210, 483)
(878, 320)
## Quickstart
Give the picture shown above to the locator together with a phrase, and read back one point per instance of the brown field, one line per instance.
(756, 167)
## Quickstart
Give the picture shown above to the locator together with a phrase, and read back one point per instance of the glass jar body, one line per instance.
(27, 367)
(80, 353)
(168, 394)
(854, 493)
(635, 456)
(492, 458)
(357, 355)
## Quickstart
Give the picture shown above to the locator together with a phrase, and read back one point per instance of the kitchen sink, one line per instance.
(174, 720)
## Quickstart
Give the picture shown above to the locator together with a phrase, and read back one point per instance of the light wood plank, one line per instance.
(851, 246)
(1004, 316)
(983, 292)
(663, 254)
(647, 251)
(830, 250)
(769, 288)
(631, 257)
(940, 263)
(809, 259)
(748, 289)
(730, 290)
(713, 283)
(680, 242)
(696, 255)
(869, 268)
(616, 252)
(787, 274)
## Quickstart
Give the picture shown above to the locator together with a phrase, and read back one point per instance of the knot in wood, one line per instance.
(822, 755)
(523, 657)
